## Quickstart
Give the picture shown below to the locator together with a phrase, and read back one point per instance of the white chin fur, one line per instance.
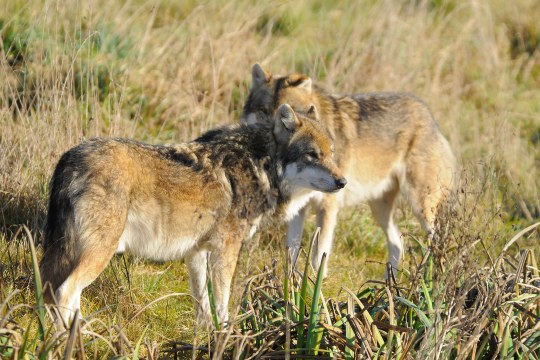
(299, 200)
(303, 186)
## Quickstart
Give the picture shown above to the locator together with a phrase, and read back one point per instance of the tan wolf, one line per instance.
(198, 201)
(386, 144)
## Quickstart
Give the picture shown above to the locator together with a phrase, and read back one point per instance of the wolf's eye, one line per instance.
(312, 155)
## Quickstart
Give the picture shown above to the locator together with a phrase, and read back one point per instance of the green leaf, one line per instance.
(315, 310)
(533, 339)
(139, 342)
(421, 315)
(349, 332)
(427, 295)
(211, 297)
(303, 290)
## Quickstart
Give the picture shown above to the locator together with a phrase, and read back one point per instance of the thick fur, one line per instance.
(386, 144)
(198, 201)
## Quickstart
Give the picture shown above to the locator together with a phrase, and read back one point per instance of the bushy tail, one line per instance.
(59, 244)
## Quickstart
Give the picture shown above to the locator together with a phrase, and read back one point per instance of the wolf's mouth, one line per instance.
(334, 190)
(324, 188)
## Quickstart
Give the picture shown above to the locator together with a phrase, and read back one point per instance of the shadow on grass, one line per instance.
(18, 209)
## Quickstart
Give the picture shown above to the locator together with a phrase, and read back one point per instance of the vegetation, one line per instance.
(164, 72)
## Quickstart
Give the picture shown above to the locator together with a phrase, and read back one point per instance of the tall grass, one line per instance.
(166, 71)
(452, 305)
(491, 310)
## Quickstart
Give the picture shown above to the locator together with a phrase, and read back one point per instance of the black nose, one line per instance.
(340, 183)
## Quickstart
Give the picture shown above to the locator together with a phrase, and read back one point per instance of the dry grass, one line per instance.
(166, 71)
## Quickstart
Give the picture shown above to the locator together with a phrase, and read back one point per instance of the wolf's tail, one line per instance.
(60, 241)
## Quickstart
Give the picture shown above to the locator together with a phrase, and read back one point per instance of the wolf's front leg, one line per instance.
(196, 262)
(382, 210)
(294, 233)
(326, 220)
(223, 264)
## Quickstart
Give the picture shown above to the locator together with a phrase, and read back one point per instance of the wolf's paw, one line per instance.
(205, 319)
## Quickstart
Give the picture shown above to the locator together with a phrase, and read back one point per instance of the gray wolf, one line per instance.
(386, 144)
(198, 201)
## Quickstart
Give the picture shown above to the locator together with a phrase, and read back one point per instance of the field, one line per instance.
(164, 72)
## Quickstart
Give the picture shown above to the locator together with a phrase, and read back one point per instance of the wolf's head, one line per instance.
(306, 153)
(268, 92)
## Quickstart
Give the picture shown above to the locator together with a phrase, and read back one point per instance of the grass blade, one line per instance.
(427, 296)
(72, 336)
(211, 297)
(421, 315)
(349, 333)
(315, 310)
(139, 342)
(287, 308)
(38, 287)
(376, 334)
(303, 290)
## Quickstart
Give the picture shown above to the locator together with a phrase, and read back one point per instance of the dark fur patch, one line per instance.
(184, 159)
(259, 100)
(210, 135)
(335, 106)
(296, 150)
(367, 107)
(370, 105)
(281, 83)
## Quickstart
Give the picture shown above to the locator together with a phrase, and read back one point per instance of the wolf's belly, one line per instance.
(362, 187)
(147, 238)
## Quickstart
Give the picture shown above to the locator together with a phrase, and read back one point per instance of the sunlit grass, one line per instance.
(167, 71)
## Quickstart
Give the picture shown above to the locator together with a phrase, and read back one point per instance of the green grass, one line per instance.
(166, 71)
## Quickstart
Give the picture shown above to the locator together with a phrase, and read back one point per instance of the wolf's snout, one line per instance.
(340, 183)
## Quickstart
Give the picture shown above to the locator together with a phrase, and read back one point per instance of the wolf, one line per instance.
(385, 143)
(198, 201)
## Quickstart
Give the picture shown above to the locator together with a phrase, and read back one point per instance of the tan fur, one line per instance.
(197, 201)
(386, 144)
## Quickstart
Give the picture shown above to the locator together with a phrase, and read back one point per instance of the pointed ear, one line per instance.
(312, 113)
(306, 84)
(259, 76)
(285, 117)
(300, 81)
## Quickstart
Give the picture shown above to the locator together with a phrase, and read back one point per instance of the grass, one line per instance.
(166, 71)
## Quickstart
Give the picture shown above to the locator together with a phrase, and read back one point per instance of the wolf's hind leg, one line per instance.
(427, 198)
(196, 262)
(431, 184)
(223, 265)
(96, 242)
(90, 266)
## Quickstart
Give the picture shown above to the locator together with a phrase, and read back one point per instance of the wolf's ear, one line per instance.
(259, 76)
(285, 117)
(300, 81)
(306, 84)
(312, 113)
